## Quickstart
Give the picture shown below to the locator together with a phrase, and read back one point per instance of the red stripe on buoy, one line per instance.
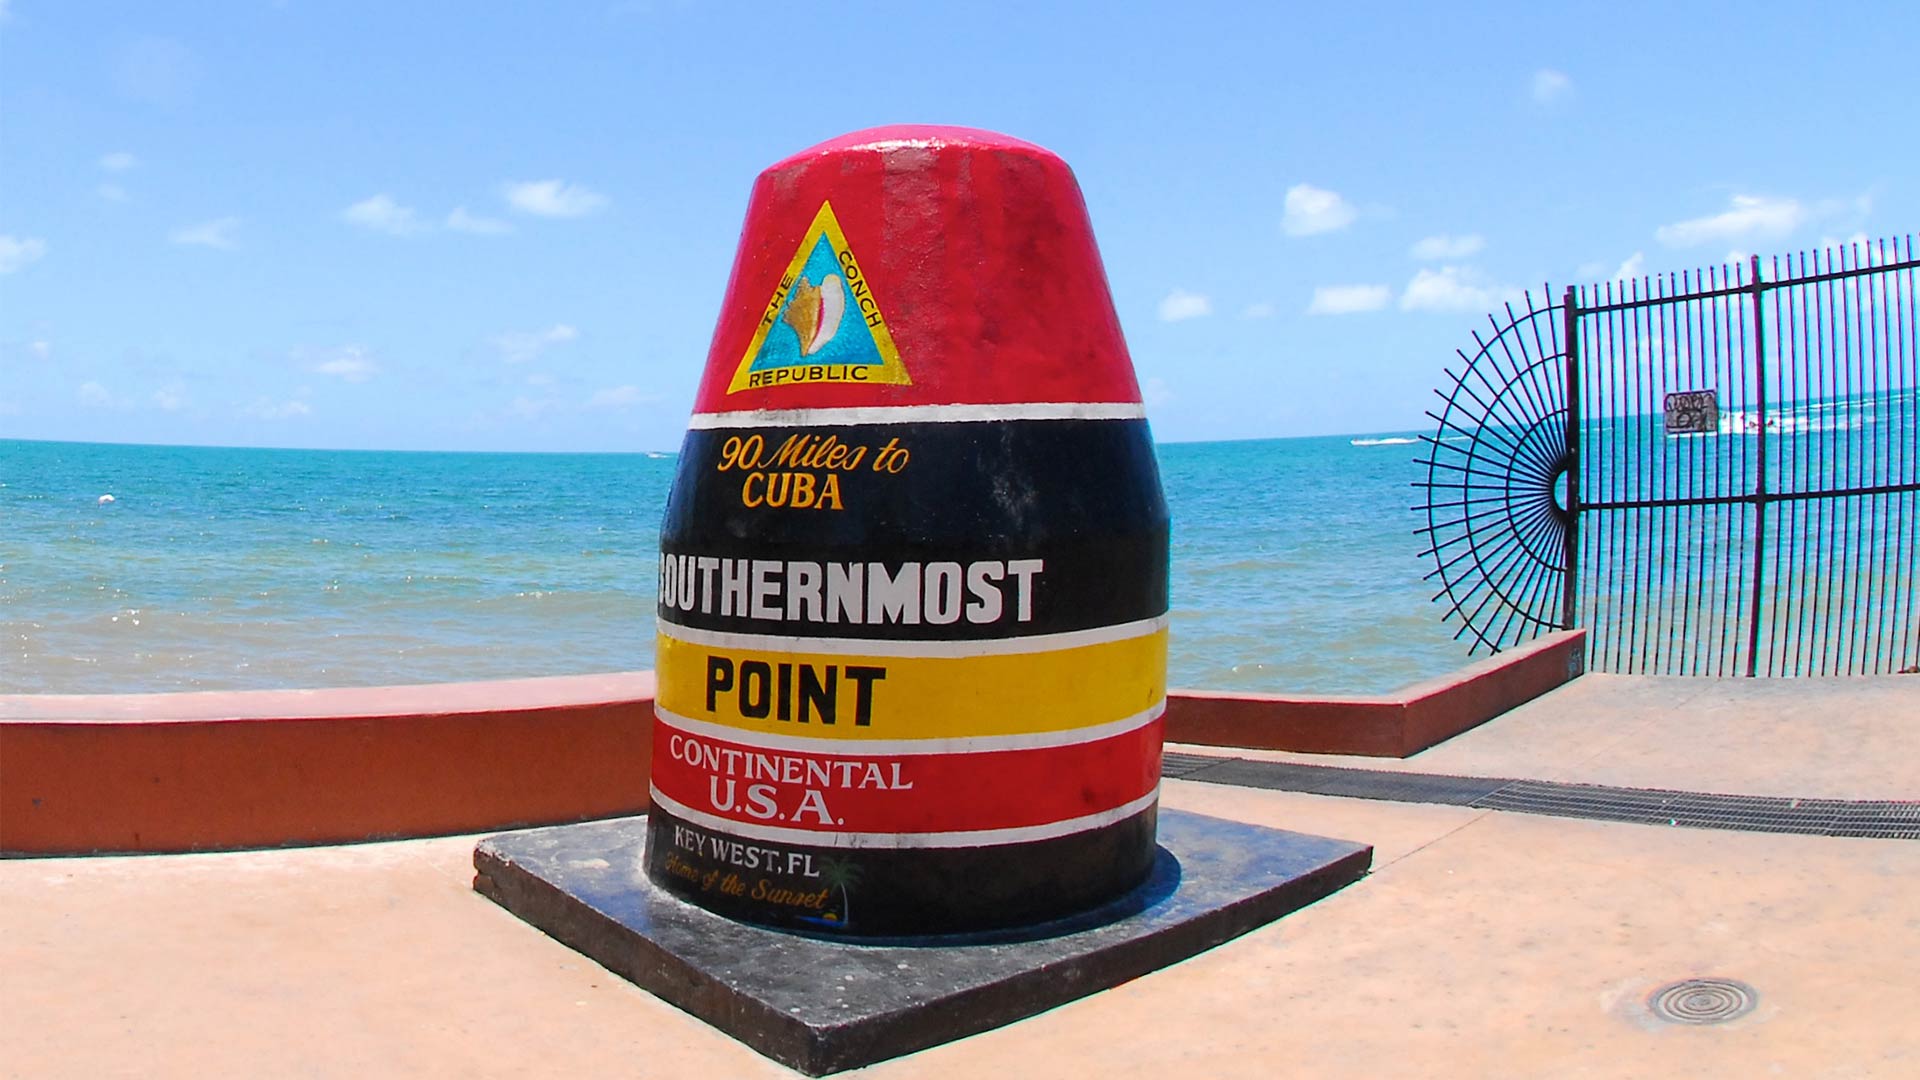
(828, 791)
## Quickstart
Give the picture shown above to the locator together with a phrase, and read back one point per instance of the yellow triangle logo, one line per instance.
(823, 324)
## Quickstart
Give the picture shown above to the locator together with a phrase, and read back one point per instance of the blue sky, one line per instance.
(508, 226)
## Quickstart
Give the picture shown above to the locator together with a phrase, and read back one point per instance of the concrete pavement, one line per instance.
(1484, 942)
(1838, 738)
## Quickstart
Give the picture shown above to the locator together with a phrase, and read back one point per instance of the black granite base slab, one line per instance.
(822, 1005)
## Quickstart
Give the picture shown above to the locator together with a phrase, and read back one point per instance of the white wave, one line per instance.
(1794, 422)
(1393, 441)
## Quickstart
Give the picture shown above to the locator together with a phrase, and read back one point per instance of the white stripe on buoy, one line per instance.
(918, 414)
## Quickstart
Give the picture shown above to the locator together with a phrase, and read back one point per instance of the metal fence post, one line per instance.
(1569, 593)
(1760, 475)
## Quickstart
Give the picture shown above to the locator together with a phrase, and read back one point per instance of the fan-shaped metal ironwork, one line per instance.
(1498, 520)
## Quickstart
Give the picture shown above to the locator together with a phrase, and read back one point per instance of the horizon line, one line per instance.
(648, 452)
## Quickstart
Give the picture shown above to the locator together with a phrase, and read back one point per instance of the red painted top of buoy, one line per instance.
(963, 271)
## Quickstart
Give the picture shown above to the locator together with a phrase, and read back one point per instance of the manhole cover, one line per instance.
(1703, 1001)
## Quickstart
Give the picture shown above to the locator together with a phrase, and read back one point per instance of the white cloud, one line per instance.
(518, 348)
(117, 162)
(1635, 266)
(1843, 213)
(217, 233)
(1311, 210)
(1181, 304)
(170, 398)
(1859, 250)
(553, 198)
(18, 251)
(160, 71)
(1454, 288)
(382, 214)
(94, 394)
(618, 397)
(40, 349)
(349, 362)
(1262, 310)
(1348, 299)
(268, 409)
(529, 408)
(462, 221)
(1550, 86)
(1747, 217)
(1443, 246)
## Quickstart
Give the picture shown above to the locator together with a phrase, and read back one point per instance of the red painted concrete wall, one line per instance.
(213, 771)
(1395, 725)
(207, 771)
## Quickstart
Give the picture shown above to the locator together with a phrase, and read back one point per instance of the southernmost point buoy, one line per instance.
(912, 639)
(913, 571)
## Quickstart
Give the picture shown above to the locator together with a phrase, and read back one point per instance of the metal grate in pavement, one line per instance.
(1703, 1001)
(1181, 766)
(1894, 819)
(1885, 819)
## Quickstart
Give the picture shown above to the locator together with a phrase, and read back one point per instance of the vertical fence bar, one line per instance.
(1795, 527)
(1570, 555)
(1902, 337)
(1760, 477)
(1668, 614)
(1619, 368)
(1700, 519)
(1860, 513)
(1906, 367)
(1639, 408)
(1874, 306)
(1730, 464)
(1832, 458)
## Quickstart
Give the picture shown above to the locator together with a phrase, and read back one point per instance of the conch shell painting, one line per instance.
(815, 311)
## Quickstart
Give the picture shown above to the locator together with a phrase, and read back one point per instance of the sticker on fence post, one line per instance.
(913, 571)
(1692, 412)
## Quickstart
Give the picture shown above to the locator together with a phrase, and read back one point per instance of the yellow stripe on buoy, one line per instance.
(786, 689)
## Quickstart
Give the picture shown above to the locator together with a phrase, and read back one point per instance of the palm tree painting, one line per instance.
(842, 875)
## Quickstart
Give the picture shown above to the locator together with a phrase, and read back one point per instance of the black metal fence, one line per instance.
(1715, 473)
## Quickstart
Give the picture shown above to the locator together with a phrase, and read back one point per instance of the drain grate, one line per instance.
(1703, 1001)
(1880, 819)
(1866, 818)
(1181, 766)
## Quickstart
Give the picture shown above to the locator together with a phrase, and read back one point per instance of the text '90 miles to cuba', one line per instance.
(804, 471)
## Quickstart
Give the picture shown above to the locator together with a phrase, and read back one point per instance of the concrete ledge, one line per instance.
(1396, 725)
(88, 773)
(823, 1005)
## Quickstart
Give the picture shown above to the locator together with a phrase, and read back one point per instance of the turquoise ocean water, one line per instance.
(1295, 566)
